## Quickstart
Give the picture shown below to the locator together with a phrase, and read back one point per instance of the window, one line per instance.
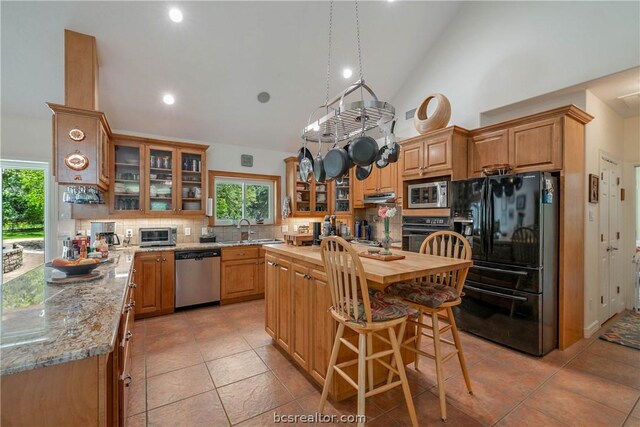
(244, 196)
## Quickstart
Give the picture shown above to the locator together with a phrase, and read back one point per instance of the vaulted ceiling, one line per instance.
(214, 62)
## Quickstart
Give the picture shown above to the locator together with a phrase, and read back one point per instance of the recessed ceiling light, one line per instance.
(346, 73)
(264, 97)
(168, 99)
(175, 15)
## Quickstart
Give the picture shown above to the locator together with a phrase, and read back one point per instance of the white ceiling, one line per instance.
(215, 62)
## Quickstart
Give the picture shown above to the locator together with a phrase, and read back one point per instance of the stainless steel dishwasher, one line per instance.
(197, 277)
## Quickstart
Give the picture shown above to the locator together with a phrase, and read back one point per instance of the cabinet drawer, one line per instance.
(243, 252)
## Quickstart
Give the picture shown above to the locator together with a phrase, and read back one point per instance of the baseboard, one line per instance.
(591, 329)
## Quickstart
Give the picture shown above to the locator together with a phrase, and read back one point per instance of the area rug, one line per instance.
(626, 331)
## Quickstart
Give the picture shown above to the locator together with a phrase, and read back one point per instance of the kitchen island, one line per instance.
(298, 300)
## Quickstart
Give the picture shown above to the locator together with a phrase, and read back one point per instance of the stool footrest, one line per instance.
(346, 377)
(378, 355)
(349, 345)
(383, 388)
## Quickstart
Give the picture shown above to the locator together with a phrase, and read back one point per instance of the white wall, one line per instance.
(498, 53)
(604, 135)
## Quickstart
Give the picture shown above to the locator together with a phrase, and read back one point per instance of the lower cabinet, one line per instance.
(88, 392)
(298, 300)
(154, 276)
(241, 274)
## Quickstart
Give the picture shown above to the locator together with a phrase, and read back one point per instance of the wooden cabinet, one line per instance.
(530, 145)
(79, 138)
(342, 195)
(87, 392)
(307, 198)
(191, 181)
(154, 277)
(298, 301)
(271, 295)
(283, 306)
(150, 177)
(487, 149)
(383, 180)
(438, 153)
(536, 146)
(241, 274)
(301, 311)
(127, 178)
(323, 327)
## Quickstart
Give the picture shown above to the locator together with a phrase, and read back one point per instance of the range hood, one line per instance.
(380, 198)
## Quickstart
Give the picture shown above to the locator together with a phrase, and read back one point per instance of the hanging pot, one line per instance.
(318, 165)
(336, 162)
(305, 162)
(363, 150)
(363, 172)
(383, 157)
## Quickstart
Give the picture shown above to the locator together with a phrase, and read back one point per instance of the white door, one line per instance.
(611, 295)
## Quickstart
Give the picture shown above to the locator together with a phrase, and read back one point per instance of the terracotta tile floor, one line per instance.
(216, 366)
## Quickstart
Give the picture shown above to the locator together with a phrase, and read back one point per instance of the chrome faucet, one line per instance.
(245, 235)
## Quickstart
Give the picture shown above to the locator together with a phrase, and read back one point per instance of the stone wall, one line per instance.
(11, 258)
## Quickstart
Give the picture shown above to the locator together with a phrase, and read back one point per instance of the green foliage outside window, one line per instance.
(237, 199)
(22, 199)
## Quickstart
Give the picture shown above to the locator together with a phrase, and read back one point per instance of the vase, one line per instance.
(386, 240)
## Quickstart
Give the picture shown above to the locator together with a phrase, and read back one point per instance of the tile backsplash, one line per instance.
(196, 225)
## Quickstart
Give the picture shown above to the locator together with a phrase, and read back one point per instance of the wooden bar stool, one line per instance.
(435, 296)
(367, 312)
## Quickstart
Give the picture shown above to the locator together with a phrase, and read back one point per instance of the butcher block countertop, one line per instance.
(379, 272)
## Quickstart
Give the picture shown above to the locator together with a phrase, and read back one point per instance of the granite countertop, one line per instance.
(33, 333)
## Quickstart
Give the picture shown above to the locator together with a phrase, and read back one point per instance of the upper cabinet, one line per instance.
(383, 180)
(532, 143)
(157, 177)
(438, 153)
(81, 146)
(342, 194)
(308, 198)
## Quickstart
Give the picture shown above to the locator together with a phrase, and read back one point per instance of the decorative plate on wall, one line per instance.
(76, 161)
(76, 134)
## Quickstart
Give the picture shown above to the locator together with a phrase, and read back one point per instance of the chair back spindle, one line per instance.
(451, 245)
(346, 279)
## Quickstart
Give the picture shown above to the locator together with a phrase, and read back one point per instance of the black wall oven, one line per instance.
(416, 228)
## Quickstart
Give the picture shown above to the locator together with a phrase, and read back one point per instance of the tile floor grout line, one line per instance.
(628, 417)
(218, 394)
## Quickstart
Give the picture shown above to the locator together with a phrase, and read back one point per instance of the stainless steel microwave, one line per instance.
(158, 236)
(428, 195)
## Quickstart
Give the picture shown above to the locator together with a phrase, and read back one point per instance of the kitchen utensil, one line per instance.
(318, 165)
(363, 150)
(363, 172)
(336, 162)
(394, 147)
(305, 163)
(438, 120)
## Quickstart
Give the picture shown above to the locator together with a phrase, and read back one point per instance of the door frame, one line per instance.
(602, 317)
(49, 238)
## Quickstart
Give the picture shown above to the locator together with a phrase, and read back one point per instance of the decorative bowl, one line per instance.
(75, 270)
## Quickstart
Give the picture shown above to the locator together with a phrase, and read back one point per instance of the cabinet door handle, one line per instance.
(133, 303)
(134, 271)
(272, 263)
(127, 380)
(164, 259)
(140, 209)
(158, 260)
(132, 285)
(128, 335)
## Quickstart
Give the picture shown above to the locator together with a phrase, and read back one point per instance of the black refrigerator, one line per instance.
(511, 292)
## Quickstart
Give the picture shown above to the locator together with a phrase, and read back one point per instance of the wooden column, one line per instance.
(80, 71)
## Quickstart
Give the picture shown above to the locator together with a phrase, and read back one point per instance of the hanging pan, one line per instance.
(363, 172)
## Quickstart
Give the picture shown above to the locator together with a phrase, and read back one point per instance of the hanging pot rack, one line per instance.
(344, 120)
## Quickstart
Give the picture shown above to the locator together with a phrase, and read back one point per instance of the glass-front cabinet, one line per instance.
(126, 191)
(161, 167)
(154, 177)
(342, 194)
(191, 183)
